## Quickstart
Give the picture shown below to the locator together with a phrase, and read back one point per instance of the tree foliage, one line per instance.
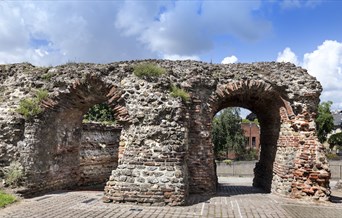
(100, 113)
(256, 121)
(227, 133)
(335, 139)
(324, 121)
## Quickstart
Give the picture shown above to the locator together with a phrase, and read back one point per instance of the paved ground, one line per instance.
(236, 199)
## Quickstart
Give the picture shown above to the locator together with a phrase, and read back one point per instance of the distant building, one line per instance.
(337, 115)
(252, 134)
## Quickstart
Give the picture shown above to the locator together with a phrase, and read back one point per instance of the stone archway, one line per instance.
(166, 145)
(56, 142)
(256, 96)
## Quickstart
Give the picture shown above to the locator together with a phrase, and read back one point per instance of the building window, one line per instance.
(247, 141)
(253, 141)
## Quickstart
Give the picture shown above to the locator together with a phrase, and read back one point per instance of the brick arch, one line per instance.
(288, 140)
(267, 104)
(58, 150)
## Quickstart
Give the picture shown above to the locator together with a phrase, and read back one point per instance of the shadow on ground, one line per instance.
(224, 190)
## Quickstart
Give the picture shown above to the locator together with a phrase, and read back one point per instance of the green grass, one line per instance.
(47, 76)
(6, 199)
(179, 92)
(30, 107)
(148, 70)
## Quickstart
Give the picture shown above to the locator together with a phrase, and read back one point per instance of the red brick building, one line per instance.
(252, 133)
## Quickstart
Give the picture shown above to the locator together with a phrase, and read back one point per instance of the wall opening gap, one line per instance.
(236, 141)
(99, 146)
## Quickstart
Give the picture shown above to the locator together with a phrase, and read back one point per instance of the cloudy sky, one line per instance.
(305, 32)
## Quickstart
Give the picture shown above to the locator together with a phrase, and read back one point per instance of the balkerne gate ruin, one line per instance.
(164, 151)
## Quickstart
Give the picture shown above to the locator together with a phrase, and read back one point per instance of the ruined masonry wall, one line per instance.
(165, 151)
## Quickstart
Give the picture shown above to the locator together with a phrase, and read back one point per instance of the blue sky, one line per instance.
(307, 33)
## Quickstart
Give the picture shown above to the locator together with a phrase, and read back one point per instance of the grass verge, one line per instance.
(6, 199)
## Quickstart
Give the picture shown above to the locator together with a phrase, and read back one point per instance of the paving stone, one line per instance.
(232, 201)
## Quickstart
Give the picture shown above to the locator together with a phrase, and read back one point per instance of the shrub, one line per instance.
(148, 70)
(47, 76)
(6, 199)
(13, 174)
(249, 155)
(41, 94)
(332, 156)
(101, 113)
(228, 162)
(335, 139)
(179, 92)
(30, 107)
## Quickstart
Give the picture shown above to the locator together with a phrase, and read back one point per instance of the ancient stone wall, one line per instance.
(165, 149)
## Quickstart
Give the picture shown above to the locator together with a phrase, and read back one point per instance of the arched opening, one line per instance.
(236, 142)
(266, 104)
(269, 122)
(235, 135)
(70, 153)
(99, 146)
(255, 96)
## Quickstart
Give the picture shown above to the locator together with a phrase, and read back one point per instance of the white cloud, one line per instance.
(286, 4)
(290, 4)
(49, 33)
(54, 32)
(188, 27)
(229, 60)
(325, 63)
(179, 57)
(287, 56)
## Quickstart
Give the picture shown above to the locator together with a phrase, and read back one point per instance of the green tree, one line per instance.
(256, 121)
(335, 139)
(227, 133)
(324, 121)
(100, 113)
